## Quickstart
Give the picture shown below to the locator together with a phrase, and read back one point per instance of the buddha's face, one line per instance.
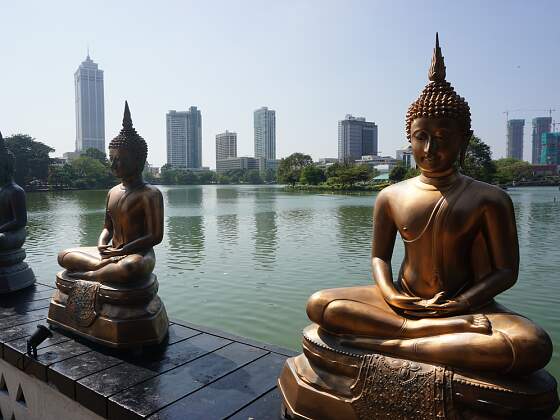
(123, 163)
(436, 143)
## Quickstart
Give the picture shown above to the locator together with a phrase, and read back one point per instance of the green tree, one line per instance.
(32, 159)
(206, 177)
(93, 153)
(90, 173)
(223, 179)
(510, 170)
(186, 177)
(168, 175)
(333, 170)
(312, 175)
(352, 174)
(270, 175)
(252, 176)
(398, 173)
(411, 173)
(61, 177)
(289, 169)
(478, 161)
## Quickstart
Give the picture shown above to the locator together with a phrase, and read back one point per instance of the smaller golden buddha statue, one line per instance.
(15, 274)
(434, 343)
(108, 293)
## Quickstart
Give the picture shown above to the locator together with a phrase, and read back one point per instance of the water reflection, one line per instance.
(91, 208)
(227, 193)
(354, 232)
(266, 240)
(227, 229)
(186, 242)
(185, 196)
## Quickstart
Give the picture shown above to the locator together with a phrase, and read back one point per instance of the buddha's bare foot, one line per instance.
(476, 323)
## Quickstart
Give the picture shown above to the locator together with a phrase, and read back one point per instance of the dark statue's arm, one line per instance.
(19, 210)
(384, 235)
(153, 209)
(500, 233)
(107, 232)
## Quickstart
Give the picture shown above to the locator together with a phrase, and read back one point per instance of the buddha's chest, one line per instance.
(435, 213)
(124, 207)
(6, 212)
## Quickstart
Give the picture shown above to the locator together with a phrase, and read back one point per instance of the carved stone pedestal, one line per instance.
(15, 274)
(112, 315)
(333, 381)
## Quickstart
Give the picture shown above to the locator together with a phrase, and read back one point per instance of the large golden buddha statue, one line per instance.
(108, 293)
(15, 274)
(432, 343)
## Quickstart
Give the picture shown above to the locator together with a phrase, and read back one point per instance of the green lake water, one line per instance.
(244, 259)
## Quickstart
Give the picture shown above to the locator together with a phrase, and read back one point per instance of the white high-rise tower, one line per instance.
(90, 107)
(265, 133)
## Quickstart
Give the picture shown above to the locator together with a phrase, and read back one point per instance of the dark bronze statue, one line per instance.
(15, 274)
(435, 343)
(108, 293)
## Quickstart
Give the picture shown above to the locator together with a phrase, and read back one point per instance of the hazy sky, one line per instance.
(311, 61)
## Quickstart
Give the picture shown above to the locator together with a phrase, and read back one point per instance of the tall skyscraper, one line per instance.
(541, 125)
(550, 149)
(356, 138)
(90, 107)
(515, 139)
(184, 138)
(265, 133)
(226, 145)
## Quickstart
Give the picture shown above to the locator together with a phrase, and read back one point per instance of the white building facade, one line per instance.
(405, 156)
(265, 133)
(90, 107)
(226, 145)
(184, 138)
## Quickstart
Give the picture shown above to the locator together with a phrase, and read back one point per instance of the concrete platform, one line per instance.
(198, 372)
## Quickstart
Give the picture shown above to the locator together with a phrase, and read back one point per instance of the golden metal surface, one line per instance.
(461, 251)
(108, 293)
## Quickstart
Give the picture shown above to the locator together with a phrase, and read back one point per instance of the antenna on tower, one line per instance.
(87, 50)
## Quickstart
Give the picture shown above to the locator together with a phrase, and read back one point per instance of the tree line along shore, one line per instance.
(35, 170)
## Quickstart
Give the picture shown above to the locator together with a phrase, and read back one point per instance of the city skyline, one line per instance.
(312, 68)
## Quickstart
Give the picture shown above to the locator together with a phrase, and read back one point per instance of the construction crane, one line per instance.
(549, 110)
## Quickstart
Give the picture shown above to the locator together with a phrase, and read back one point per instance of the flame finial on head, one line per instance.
(128, 138)
(437, 68)
(438, 99)
(127, 119)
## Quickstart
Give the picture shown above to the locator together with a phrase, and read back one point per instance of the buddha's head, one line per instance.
(438, 123)
(127, 151)
(7, 163)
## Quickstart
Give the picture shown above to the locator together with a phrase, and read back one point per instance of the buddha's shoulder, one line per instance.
(14, 189)
(152, 191)
(398, 188)
(487, 193)
(394, 192)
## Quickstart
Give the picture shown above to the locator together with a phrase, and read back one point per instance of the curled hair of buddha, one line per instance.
(129, 139)
(439, 100)
(7, 158)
